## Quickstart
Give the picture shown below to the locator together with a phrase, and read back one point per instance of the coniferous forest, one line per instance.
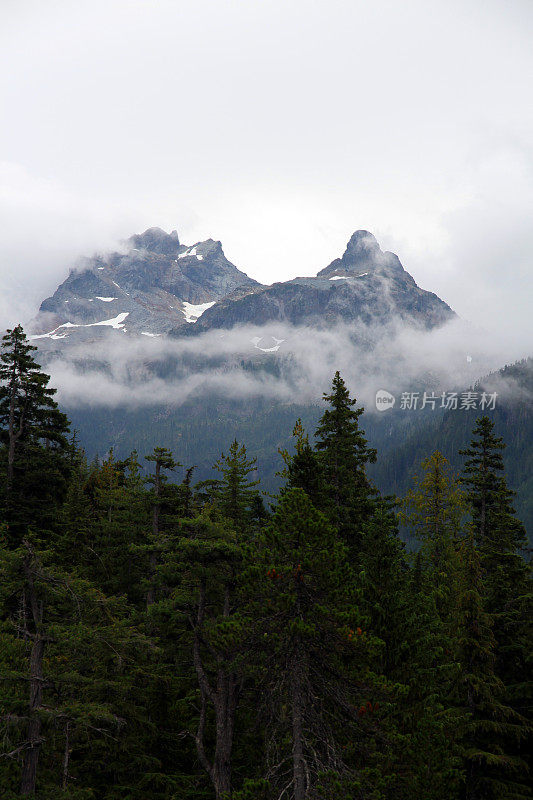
(165, 639)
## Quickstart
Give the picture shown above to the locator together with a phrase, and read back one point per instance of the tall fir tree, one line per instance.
(434, 511)
(343, 454)
(205, 602)
(33, 435)
(416, 659)
(162, 459)
(62, 655)
(507, 586)
(321, 696)
(303, 469)
(234, 495)
(493, 768)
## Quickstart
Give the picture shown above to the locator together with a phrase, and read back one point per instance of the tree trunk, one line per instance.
(225, 717)
(13, 435)
(150, 596)
(66, 757)
(297, 707)
(31, 756)
(12, 438)
(34, 738)
(224, 701)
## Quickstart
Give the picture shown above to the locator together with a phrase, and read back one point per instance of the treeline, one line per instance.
(162, 639)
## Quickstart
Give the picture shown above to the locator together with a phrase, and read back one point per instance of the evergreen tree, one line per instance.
(303, 469)
(234, 495)
(435, 507)
(187, 494)
(492, 770)
(162, 459)
(434, 510)
(320, 696)
(206, 602)
(33, 438)
(507, 588)
(63, 644)
(415, 659)
(343, 455)
(493, 516)
(119, 512)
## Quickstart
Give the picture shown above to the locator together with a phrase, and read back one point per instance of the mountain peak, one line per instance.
(362, 241)
(157, 285)
(363, 253)
(155, 240)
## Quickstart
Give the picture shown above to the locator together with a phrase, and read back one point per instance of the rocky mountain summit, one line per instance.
(158, 286)
(155, 285)
(365, 285)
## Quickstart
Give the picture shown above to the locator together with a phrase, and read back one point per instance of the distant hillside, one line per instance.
(198, 432)
(451, 432)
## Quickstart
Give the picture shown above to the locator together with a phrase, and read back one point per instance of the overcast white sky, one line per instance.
(279, 127)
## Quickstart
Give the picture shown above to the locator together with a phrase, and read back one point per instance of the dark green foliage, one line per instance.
(66, 660)
(160, 641)
(492, 769)
(234, 495)
(343, 454)
(506, 583)
(33, 444)
(303, 469)
(318, 654)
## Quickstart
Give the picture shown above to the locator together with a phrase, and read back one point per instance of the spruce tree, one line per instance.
(507, 587)
(119, 519)
(33, 437)
(303, 469)
(416, 660)
(343, 454)
(63, 647)
(202, 569)
(320, 694)
(206, 604)
(234, 495)
(493, 770)
(434, 511)
(162, 459)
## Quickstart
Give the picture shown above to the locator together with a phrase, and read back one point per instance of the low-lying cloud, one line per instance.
(277, 362)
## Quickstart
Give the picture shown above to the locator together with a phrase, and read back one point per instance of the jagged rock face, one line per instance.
(159, 286)
(155, 240)
(363, 253)
(156, 285)
(365, 285)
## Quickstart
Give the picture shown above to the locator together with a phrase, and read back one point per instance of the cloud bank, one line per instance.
(276, 362)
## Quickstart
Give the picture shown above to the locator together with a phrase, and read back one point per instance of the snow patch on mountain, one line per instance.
(191, 252)
(116, 322)
(347, 277)
(194, 312)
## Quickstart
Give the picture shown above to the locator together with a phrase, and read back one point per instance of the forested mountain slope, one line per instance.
(163, 640)
(196, 433)
(451, 431)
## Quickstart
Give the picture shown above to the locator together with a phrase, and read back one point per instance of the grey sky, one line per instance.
(277, 126)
